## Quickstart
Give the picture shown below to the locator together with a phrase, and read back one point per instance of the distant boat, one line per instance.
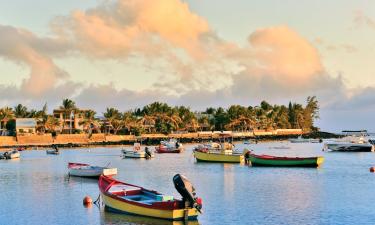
(350, 144)
(13, 154)
(54, 151)
(348, 147)
(268, 160)
(299, 140)
(280, 147)
(138, 152)
(171, 146)
(126, 198)
(85, 170)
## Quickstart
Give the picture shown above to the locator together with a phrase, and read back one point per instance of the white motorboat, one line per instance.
(138, 152)
(13, 154)
(350, 144)
(85, 170)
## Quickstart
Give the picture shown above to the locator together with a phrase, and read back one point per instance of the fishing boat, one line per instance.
(53, 151)
(138, 152)
(127, 198)
(85, 170)
(171, 146)
(268, 160)
(225, 153)
(13, 154)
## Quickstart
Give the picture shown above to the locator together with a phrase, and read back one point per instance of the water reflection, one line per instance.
(108, 218)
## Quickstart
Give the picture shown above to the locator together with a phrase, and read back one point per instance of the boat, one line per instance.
(348, 147)
(299, 140)
(137, 152)
(171, 146)
(268, 160)
(280, 147)
(225, 153)
(85, 170)
(12, 154)
(352, 143)
(53, 151)
(127, 198)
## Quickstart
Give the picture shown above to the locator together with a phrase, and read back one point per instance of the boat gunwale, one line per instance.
(284, 158)
(140, 204)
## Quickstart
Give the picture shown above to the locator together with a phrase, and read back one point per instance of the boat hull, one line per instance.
(342, 147)
(118, 206)
(286, 162)
(85, 170)
(218, 157)
(52, 152)
(160, 150)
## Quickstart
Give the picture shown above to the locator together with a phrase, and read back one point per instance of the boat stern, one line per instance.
(319, 160)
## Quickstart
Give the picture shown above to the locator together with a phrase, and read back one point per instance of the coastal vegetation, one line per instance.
(160, 117)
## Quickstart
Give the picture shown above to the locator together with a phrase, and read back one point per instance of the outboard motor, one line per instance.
(148, 153)
(187, 191)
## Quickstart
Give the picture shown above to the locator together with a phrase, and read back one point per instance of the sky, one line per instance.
(199, 53)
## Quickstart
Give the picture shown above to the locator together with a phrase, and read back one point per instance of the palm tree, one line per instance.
(48, 123)
(129, 121)
(90, 122)
(113, 117)
(20, 111)
(148, 121)
(6, 114)
(68, 106)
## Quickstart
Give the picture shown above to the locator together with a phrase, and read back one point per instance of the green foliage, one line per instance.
(159, 117)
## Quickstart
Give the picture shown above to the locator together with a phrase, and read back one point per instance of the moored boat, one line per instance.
(171, 146)
(268, 160)
(138, 152)
(13, 154)
(53, 151)
(126, 198)
(350, 144)
(224, 154)
(85, 170)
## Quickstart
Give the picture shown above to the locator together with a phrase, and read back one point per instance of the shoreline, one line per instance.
(154, 139)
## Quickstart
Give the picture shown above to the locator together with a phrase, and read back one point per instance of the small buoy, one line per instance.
(87, 201)
(372, 169)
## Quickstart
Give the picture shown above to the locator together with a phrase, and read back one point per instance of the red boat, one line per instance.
(171, 146)
(166, 149)
(126, 198)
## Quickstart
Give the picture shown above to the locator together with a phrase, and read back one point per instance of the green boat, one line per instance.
(268, 160)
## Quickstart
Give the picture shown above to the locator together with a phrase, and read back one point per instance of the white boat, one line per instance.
(138, 152)
(350, 144)
(13, 154)
(280, 147)
(299, 140)
(85, 170)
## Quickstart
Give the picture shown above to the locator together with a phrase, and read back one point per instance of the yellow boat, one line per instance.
(130, 199)
(218, 157)
(225, 154)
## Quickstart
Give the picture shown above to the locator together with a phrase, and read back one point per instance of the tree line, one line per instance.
(160, 117)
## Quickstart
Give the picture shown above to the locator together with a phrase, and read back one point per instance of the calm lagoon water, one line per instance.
(36, 190)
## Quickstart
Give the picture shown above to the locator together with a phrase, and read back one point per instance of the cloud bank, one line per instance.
(200, 68)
